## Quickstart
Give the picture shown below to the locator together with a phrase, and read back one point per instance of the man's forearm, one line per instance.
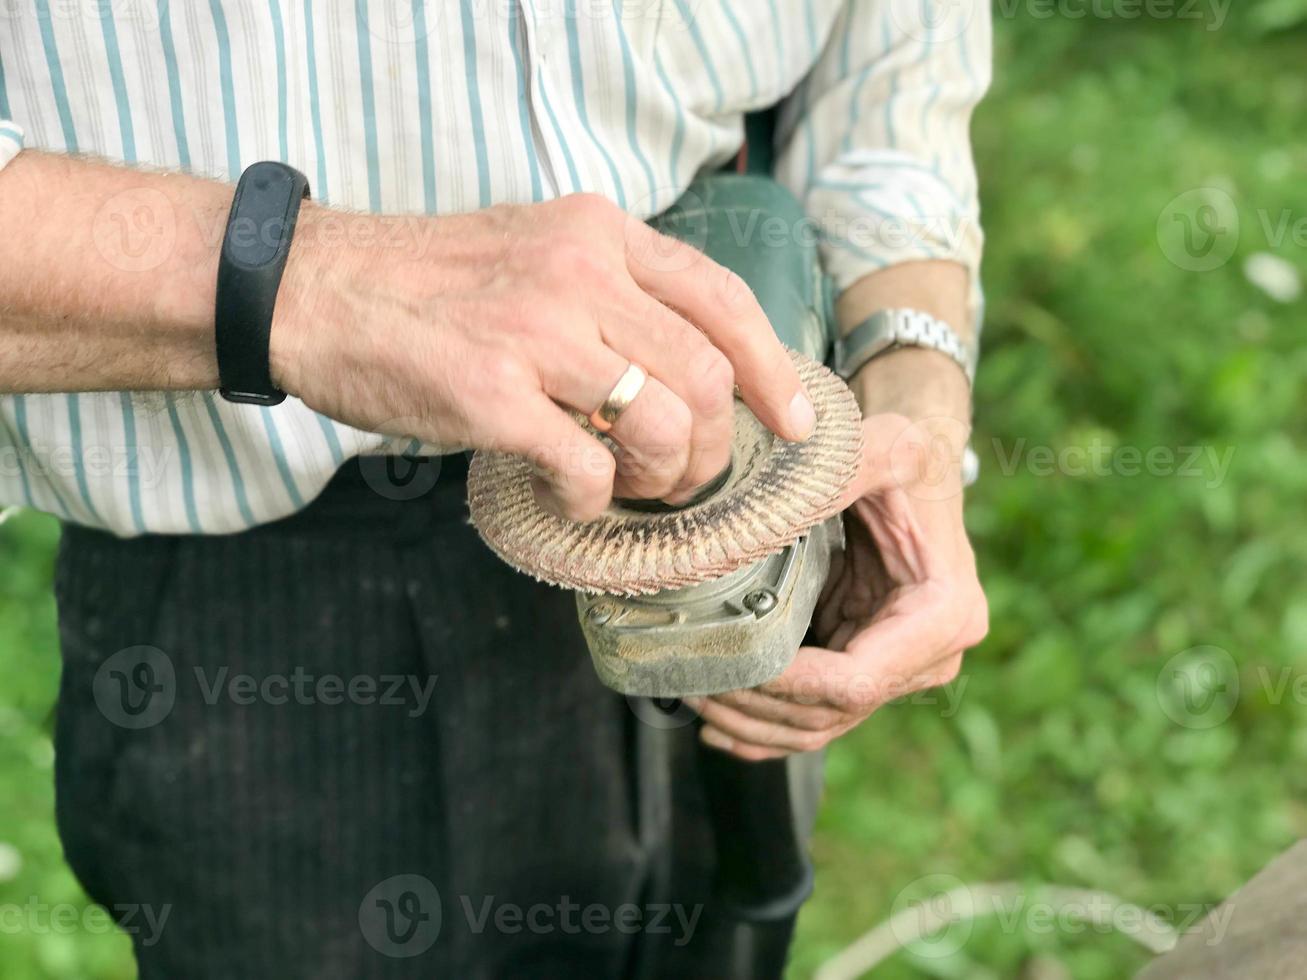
(107, 276)
(914, 382)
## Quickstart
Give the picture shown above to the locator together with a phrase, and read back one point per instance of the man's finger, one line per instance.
(654, 436)
(654, 431)
(673, 351)
(905, 638)
(575, 470)
(748, 751)
(873, 474)
(765, 707)
(721, 304)
(757, 731)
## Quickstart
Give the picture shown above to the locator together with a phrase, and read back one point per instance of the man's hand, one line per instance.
(505, 318)
(468, 331)
(905, 602)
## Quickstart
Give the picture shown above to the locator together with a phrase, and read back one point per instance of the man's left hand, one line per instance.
(904, 601)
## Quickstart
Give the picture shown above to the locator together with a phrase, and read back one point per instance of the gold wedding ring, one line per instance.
(628, 387)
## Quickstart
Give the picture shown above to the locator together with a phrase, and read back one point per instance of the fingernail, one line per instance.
(715, 738)
(694, 704)
(802, 415)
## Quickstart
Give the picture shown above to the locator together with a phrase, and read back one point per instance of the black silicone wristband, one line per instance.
(254, 250)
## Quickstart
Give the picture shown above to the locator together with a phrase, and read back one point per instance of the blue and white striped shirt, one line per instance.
(441, 106)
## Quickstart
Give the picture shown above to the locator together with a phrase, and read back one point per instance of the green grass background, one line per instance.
(1058, 763)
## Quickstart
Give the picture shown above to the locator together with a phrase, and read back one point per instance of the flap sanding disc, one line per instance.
(776, 491)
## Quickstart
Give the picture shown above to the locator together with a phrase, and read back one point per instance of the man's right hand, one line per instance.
(486, 327)
(481, 330)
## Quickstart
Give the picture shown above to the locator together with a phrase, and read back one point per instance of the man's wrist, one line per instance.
(292, 316)
(915, 382)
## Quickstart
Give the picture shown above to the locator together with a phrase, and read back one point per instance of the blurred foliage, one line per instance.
(34, 880)
(1060, 764)
(1054, 760)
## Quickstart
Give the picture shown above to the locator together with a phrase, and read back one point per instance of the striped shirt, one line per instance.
(416, 107)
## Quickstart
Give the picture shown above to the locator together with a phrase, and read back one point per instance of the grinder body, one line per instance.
(736, 632)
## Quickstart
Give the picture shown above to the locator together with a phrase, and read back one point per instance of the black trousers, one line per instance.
(355, 744)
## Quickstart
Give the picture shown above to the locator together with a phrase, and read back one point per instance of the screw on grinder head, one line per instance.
(712, 597)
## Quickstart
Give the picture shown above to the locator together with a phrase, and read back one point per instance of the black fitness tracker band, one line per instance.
(254, 250)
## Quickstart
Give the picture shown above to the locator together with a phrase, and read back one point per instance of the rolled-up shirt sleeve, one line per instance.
(11, 141)
(876, 139)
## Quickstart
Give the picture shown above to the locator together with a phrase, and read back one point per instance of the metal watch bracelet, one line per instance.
(888, 330)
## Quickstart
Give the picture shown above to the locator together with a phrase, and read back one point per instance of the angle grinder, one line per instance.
(717, 595)
(714, 596)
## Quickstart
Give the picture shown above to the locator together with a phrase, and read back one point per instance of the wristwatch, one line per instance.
(888, 330)
(254, 251)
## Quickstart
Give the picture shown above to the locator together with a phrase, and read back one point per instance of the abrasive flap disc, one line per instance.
(775, 492)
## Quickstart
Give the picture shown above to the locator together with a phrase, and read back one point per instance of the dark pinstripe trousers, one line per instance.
(350, 744)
